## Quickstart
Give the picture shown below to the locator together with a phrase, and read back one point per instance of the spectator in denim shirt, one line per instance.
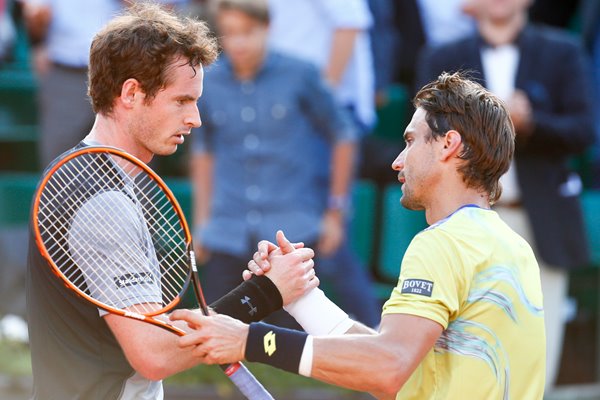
(263, 116)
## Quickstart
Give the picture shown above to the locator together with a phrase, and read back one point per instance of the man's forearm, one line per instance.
(152, 352)
(342, 47)
(378, 363)
(359, 362)
(342, 169)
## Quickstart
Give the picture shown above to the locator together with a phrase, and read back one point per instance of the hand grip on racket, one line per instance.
(112, 230)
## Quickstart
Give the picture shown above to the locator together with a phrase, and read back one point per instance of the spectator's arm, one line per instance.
(202, 167)
(333, 232)
(38, 16)
(202, 187)
(348, 18)
(342, 168)
(335, 124)
(342, 47)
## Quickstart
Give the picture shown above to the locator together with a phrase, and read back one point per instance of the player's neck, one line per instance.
(109, 131)
(448, 201)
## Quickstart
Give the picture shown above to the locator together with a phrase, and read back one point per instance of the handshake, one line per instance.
(289, 267)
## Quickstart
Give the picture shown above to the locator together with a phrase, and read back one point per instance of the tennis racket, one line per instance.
(112, 230)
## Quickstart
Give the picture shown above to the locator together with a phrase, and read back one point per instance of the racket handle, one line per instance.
(237, 372)
(246, 382)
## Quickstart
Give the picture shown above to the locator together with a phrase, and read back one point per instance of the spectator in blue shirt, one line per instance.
(263, 115)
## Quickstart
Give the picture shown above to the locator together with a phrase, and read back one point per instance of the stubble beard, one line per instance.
(409, 200)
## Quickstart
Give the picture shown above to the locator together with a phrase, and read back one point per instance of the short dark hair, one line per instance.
(453, 102)
(142, 44)
(257, 9)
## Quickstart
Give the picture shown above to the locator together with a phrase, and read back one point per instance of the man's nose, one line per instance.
(193, 119)
(398, 163)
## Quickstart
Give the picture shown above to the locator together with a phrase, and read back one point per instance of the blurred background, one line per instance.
(44, 111)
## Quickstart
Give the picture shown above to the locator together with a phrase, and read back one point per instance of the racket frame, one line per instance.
(147, 316)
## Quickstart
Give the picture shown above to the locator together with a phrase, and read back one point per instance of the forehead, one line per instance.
(237, 19)
(182, 77)
(418, 124)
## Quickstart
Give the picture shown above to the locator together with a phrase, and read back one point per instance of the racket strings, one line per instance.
(59, 250)
(53, 226)
(91, 208)
(128, 250)
(161, 214)
(63, 254)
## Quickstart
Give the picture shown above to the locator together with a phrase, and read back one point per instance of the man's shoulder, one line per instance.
(463, 216)
(452, 48)
(554, 36)
(468, 223)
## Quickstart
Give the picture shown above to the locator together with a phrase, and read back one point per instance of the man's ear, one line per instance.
(130, 93)
(452, 145)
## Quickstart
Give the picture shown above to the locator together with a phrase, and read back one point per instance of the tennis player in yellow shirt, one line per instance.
(465, 320)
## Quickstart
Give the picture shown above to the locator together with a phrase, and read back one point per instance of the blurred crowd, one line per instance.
(290, 119)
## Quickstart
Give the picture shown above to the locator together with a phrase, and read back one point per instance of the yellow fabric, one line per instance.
(485, 291)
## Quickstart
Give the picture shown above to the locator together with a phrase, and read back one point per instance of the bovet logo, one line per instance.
(417, 286)
(133, 279)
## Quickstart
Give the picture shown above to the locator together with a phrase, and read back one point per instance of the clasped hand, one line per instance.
(220, 339)
(289, 265)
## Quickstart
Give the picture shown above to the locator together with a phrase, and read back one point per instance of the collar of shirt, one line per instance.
(268, 62)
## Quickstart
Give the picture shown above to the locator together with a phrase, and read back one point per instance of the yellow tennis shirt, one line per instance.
(480, 280)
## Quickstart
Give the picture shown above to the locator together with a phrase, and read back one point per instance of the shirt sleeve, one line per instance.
(111, 245)
(430, 283)
(347, 13)
(325, 112)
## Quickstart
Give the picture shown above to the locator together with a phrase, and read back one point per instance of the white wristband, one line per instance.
(306, 360)
(318, 315)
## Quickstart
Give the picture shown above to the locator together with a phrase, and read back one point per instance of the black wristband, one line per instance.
(279, 347)
(251, 301)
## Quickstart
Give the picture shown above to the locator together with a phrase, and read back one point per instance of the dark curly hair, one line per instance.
(142, 44)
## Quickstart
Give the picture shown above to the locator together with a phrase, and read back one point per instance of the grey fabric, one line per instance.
(139, 388)
(110, 242)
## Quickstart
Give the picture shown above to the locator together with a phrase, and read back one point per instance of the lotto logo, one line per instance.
(269, 343)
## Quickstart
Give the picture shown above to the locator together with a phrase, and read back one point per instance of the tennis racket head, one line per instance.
(112, 230)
